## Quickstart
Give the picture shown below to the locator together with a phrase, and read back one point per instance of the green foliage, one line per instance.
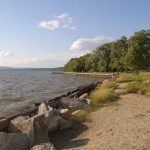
(124, 54)
(138, 54)
(133, 87)
(117, 55)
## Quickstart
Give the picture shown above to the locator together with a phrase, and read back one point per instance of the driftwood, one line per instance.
(4, 121)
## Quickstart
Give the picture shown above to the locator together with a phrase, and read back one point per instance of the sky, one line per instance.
(47, 33)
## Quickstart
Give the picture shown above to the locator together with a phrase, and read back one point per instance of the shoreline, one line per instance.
(102, 75)
(25, 121)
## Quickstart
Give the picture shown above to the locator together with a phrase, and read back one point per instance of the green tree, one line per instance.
(138, 55)
(103, 57)
(117, 55)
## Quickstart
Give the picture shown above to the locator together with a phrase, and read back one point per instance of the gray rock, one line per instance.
(44, 146)
(64, 124)
(3, 124)
(34, 127)
(72, 104)
(38, 126)
(39, 132)
(13, 141)
(52, 120)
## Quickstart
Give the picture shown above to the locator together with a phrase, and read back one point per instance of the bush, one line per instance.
(132, 87)
(138, 86)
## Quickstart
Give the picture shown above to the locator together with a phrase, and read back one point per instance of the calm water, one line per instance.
(20, 86)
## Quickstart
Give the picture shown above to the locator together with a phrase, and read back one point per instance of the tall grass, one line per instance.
(102, 94)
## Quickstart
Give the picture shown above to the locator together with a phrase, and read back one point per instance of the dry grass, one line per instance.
(102, 94)
(109, 84)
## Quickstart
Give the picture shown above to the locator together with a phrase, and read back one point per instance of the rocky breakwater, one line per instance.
(29, 130)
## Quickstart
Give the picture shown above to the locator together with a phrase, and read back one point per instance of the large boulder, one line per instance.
(52, 120)
(19, 125)
(34, 127)
(14, 141)
(44, 146)
(39, 129)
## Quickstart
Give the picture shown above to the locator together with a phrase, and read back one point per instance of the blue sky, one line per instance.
(47, 33)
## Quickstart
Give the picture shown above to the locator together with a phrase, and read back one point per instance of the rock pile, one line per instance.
(31, 132)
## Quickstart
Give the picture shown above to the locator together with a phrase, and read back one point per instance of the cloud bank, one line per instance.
(89, 43)
(47, 60)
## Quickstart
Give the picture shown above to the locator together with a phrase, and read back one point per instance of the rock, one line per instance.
(44, 146)
(37, 127)
(34, 127)
(72, 104)
(88, 101)
(13, 141)
(83, 96)
(64, 124)
(43, 108)
(105, 81)
(77, 112)
(39, 132)
(16, 125)
(3, 124)
(120, 88)
(65, 113)
(52, 120)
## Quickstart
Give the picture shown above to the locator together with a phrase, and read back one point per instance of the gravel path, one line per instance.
(125, 125)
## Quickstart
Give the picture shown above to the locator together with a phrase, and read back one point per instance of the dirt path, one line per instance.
(122, 126)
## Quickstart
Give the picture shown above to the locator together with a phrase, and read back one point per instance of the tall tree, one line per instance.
(117, 55)
(103, 54)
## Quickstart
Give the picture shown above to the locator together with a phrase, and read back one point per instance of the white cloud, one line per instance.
(63, 20)
(50, 25)
(89, 44)
(62, 16)
(5, 54)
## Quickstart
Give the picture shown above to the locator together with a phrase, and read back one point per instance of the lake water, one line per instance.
(20, 86)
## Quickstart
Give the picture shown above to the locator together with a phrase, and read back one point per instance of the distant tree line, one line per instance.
(124, 54)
